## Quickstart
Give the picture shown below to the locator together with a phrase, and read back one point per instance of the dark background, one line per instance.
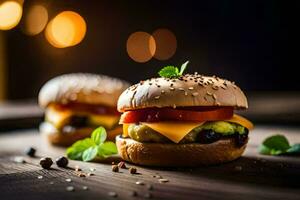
(254, 43)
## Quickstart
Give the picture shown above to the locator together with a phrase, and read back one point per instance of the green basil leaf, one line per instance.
(262, 149)
(107, 148)
(183, 67)
(76, 150)
(90, 153)
(295, 149)
(277, 143)
(99, 135)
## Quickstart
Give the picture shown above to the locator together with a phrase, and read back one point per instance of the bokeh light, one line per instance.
(66, 29)
(10, 14)
(35, 20)
(166, 44)
(141, 46)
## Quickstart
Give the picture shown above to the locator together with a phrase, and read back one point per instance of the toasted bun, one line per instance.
(66, 139)
(188, 90)
(82, 88)
(177, 155)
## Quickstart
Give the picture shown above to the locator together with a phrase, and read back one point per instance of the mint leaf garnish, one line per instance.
(278, 145)
(90, 153)
(99, 135)
(107, 148)
(90, 148)
(172, 71)
(183, 67)
(295, 149)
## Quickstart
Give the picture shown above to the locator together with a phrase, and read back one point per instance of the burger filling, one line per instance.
(185, 125)
(206, 133)
(69, 117)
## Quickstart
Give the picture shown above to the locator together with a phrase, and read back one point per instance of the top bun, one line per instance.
(82, 88)
(187, 90)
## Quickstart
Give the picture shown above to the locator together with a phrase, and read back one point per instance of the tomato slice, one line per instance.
(164, 114)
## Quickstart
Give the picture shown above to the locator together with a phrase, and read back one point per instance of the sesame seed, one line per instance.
(163, 180)
(68, 180)
(208, 93)
(172, 89)
(40, 177)
(181, 89)
(70, 188)
(185, 93)
(157, 97)
(85, 187)
(214, 96)
(174, 106)
(195, 94)
(90, 174)
(191, 88)
(162, 91)
(112, 194)
(223, 87)
(140, 183)
(215, 87)
(92, 169)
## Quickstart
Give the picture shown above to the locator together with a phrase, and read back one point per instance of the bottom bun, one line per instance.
(58, 138)
(178, 155)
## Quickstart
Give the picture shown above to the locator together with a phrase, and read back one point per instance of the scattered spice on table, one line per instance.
(62, 161)
(70, 188)
(68, 180)
(122, 165)
(139, 183)
(30, 151)
(115, 168)
(19, 159)
(90, 174)
(85, 187)
(77, 168)
(132, 170)
(163, 180)
(112, 194)
(46, 162)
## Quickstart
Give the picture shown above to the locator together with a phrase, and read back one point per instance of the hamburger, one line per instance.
(75, 104)
(182, 120)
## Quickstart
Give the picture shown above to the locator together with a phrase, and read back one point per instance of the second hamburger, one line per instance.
(75, 104)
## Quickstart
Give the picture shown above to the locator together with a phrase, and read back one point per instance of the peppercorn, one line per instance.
(122, 165)
(46, 162)
(30, 151)
(62, 161)
(115, 168)
(132, 170)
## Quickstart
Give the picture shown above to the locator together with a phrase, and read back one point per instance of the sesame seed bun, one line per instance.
(178, 155)
(82, 88)
(56, 137)
(188, 90)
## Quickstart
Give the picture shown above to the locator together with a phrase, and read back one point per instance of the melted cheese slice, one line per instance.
(60, 118)
(176, 131)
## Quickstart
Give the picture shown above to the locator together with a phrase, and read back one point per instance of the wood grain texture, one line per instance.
(251, 177)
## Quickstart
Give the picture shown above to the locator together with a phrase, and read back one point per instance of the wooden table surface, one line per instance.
(253, 176)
